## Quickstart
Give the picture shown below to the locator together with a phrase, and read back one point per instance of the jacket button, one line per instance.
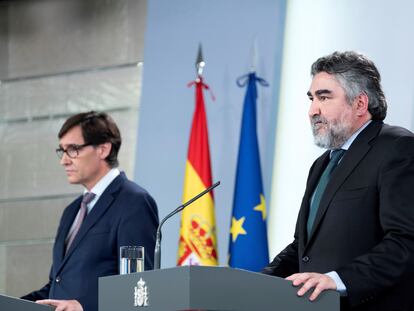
(57, 279)
(305, 259)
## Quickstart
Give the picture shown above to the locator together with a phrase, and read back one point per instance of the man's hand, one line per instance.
(62, 305)
(318, 281)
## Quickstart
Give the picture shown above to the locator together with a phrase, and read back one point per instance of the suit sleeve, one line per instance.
(42, 293)
(285, 263)
(139, 224)
(386, 264)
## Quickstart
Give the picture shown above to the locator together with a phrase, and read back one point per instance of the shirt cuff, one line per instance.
(340, 286)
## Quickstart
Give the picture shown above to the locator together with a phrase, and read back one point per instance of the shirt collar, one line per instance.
(101, 186)
(351, 139)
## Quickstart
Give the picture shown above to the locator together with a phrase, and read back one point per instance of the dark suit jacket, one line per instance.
(125, 214)
(364, 228)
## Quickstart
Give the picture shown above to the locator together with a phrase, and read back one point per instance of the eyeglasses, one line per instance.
(71, 150)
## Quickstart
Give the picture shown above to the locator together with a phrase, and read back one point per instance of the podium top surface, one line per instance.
(8, 303)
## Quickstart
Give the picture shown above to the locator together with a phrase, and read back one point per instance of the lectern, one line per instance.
(205, 288)
(8, 303)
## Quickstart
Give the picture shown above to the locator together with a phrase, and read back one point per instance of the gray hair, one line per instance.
(357, 75)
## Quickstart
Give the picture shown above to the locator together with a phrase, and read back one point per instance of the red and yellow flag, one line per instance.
(198, 242)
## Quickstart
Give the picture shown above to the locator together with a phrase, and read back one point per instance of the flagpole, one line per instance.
(254, 54)
(198, 241)
(248, 232)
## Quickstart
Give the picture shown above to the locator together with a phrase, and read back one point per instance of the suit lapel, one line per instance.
(317, 171)
(314, 175)
(67, 221)
(101, 206)
(349, 162)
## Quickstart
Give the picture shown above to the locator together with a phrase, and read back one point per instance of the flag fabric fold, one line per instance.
(198, 242)
(248, 248)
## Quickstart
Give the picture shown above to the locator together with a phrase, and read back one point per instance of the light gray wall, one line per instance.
(57, 58)
(53, 36)
(4, 35)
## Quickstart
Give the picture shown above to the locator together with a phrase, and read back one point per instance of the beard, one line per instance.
(335, 134)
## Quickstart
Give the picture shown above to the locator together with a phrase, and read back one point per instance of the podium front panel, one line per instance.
(205, 288)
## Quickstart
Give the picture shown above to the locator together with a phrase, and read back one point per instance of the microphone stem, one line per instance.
(157, 250)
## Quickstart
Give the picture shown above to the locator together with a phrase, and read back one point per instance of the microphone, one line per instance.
(157, 251)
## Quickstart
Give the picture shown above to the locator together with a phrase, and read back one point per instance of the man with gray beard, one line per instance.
(355, 228)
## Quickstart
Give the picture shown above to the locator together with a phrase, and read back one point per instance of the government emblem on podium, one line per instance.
(141, 294)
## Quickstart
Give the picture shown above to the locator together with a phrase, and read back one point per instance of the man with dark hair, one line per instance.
(113, 212)
(355, 228)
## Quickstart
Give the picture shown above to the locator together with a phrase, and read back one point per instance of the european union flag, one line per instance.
(248, 247)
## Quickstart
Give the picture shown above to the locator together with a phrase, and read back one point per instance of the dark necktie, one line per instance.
(320, 188)
(87, 198)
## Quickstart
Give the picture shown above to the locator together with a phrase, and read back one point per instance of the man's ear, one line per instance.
(361, 104)
(104, 150)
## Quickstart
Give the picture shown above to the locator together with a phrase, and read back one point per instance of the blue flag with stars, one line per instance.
(248, 247)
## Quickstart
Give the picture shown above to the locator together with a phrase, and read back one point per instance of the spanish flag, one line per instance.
(198, 242)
